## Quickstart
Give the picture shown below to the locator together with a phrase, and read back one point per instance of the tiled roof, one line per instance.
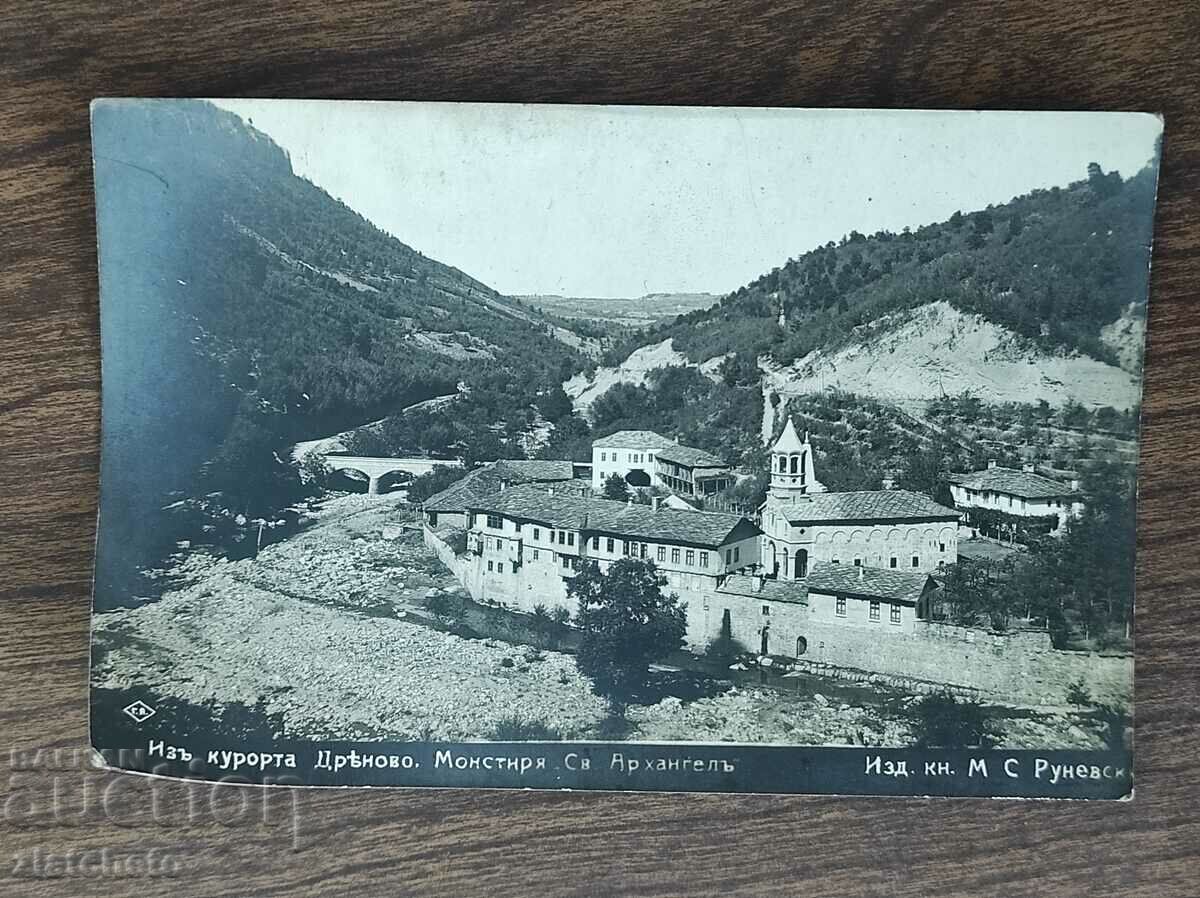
(1025, 484)
(865, 505)
(867, 582)
(457, 496)
(692, 458)
(633, 439)
(534, 470)
(534, 503)
(793, 591)
(486, 479)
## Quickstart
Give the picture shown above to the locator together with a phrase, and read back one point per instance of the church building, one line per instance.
(803, 523)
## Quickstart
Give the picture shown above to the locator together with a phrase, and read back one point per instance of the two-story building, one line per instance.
(1005, 495)
(630, 454)
(691, 472)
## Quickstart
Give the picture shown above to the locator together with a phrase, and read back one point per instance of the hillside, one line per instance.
(1054, 281)
(936, 350)
(244, 309)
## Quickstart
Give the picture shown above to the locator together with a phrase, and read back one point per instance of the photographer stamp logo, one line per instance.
(139, 711)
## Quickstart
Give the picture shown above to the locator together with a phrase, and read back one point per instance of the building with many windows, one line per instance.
(1020, 494)
(629, 453)
(524, 543)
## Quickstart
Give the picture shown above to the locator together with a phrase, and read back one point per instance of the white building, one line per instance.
(630, 453)
(1020, 494)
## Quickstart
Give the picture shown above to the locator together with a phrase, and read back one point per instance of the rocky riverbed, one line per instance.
(318, 633)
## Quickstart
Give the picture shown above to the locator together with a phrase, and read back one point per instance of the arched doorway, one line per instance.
(772, 561)
(638, 478)
(765, 640)
(801, 646)
(801, 563)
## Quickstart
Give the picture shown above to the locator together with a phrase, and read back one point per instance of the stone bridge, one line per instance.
(375, 469)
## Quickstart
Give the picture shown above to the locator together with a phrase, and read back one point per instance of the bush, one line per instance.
(1077, 693)
(561, 615)
(449, 608)
(514, 729)
(943, 721)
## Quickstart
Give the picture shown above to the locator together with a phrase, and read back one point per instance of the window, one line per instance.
(858, 562)
(841, 606)
(690, 558)
(626, 547)
(565, 560)
(495, 521)
(551, 536)
(703, 559)
(766, 609)
(736, 552)
(595, 543)
(916, 561)
(662, 553)
(491, 566)
(562, 538)
(603, 456)
(892, 561)
(941, 547)
(537, 533)
(729, 556)
(433, 519)
(895, 614)
(675, 556)
(610, 545)
(570, 539)
(874, 610)
(835, 561)
(500, 568)
(535, 554)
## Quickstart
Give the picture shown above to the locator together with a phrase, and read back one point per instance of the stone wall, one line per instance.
(1017, 666)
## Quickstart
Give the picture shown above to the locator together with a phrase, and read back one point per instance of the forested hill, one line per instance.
(1054, 266)
(243, 308)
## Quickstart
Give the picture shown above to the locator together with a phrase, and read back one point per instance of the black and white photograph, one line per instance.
(620, 447)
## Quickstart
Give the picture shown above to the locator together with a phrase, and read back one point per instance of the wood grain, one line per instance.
(1127, 54)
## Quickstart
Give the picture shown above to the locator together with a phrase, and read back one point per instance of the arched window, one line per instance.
(795, 464)
(782, 464)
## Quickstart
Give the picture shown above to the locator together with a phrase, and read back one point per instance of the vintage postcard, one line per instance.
(626, 448)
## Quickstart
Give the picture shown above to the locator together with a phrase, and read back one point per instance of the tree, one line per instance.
(942, 721)
(615, 487)
(627, 623)
(554, 404)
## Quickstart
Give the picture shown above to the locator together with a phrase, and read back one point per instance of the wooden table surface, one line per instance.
(73, 831)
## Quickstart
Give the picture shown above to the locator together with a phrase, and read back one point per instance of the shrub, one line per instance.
(1077, 693)
(561, 615)
(943, 721)
(449, 608)
(514, 729)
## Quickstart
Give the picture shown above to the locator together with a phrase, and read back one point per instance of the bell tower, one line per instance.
(792, 473)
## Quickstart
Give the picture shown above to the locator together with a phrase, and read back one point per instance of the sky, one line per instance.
(620, 201)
